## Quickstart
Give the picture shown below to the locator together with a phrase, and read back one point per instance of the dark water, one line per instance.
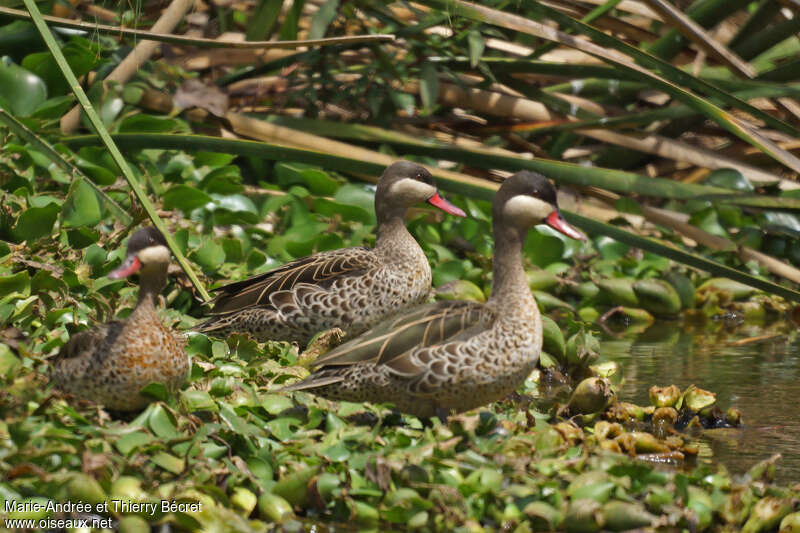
(755, 368)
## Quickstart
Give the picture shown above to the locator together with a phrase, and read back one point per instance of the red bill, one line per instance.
(557, 222)
(444, 205)
(128, 267)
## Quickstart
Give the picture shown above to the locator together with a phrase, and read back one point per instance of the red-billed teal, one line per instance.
(110, 363)
(447, 357)
(352, 288)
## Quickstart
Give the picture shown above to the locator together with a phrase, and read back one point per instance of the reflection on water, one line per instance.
(755, 368)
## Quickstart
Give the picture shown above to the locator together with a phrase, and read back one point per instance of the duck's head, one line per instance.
(527, 199)
(404, 184)
(147, 252)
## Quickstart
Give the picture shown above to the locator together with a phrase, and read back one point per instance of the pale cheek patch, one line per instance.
(527, 209)
(154, 255)
(411, 191)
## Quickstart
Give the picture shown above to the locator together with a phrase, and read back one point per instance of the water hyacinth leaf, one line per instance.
(92, 162)
(233, 209)
(447, 272)
(155, 390)
(275, 403)
(81, 56)
(223, 180)
(8, 361)
(168, 462)
(209, 256)
(729, 178)
(657, 296)
(350, 212)
(130, 442)
(543, 249)
(356, 195)
(19, 283)
(316, 179)
(82, 206)
(198, 400)
(22, 91)
(161, 423)
(36, 222)
(274, 508)
(609, 248)
(293, 487)
(185, 198)
(708, 221)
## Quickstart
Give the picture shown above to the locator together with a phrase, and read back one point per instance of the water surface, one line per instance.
(755, 368)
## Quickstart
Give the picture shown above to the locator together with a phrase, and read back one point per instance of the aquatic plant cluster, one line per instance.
(229, 451)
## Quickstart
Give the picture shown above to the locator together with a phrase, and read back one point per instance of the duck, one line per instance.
(352, 288)
(111, 362)
(447, 357)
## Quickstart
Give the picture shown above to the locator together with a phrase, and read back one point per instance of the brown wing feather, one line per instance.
(96, 339)
(422, 326)
(318, 269)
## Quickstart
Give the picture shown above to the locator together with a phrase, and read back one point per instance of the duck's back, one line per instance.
(351, 289)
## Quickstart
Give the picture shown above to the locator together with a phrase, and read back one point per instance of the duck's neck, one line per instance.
(510, 284)
(394, 240)
(151, 283)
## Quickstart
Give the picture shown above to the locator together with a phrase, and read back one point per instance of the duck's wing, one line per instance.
(318, 269)
(88, 342)
(422, 326)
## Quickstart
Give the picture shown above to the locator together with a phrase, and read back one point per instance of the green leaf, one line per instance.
(168, 462)
(198, 400)
(707, 221)
(132, 441)
(16, 283)
(160, 422)
(447, 271)
(331, 208)
(8, 361)
(729, 178)
(156, 391)
(92, 160)
(81, 56)
(185, 198)
(543, 249)
(209, 256)
(82, 206)
(356, 195)
(316, 179)
(22, 90)
(36, 222)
